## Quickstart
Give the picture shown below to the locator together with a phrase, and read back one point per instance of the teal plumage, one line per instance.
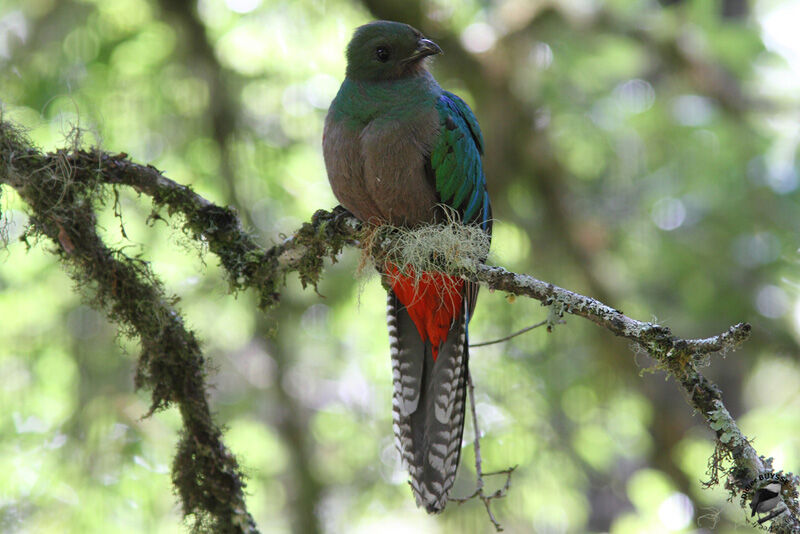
(456, 160)
(397, 148)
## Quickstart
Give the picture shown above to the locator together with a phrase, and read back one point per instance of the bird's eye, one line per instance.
(382, 53)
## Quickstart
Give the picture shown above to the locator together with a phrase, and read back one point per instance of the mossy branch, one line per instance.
(62, 195)
(62, 190)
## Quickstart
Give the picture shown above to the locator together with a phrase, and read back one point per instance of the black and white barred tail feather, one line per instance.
(428, 403)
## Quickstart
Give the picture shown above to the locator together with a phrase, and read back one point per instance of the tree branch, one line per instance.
(61, 199)
(61, 189)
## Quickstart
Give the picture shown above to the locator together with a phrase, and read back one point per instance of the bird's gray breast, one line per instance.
(378, 173)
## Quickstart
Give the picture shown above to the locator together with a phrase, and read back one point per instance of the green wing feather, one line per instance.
(456, 161)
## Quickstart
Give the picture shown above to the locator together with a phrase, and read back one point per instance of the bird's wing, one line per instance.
(455, 162)
(456, 170)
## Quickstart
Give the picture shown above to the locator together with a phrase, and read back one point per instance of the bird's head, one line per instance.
(384, 50)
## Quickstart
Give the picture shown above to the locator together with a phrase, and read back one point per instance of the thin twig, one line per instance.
(479, 474)
(773, 514)
(515, 334)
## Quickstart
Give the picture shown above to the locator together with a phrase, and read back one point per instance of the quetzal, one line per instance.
(401, 150)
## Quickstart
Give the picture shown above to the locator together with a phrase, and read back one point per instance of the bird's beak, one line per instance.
(425, 48)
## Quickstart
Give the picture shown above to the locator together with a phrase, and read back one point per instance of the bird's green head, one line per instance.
(384, 50)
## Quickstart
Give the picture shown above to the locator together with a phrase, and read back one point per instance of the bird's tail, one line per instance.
(429, 371)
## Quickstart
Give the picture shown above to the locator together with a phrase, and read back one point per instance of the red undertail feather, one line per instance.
(433, 301)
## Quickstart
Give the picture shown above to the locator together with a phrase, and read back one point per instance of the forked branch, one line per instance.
(479, 492)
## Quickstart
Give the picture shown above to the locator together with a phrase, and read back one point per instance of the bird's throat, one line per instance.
(360, 102)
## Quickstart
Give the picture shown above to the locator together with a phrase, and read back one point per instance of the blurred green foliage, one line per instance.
(641, 153)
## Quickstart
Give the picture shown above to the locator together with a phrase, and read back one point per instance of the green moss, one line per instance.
(63, 190)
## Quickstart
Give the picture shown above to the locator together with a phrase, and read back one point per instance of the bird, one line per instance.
(766, 498)
(401, 150)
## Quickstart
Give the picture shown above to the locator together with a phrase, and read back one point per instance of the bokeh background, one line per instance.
(641, 152)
